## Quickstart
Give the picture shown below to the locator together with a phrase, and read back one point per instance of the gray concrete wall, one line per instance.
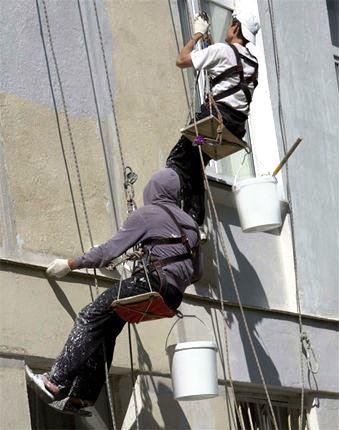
(309, 97)
(14, 409)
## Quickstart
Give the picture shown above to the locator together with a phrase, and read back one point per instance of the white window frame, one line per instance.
(261, 121)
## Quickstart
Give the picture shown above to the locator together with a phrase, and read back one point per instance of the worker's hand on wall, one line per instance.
(58, 268)
(200, 25)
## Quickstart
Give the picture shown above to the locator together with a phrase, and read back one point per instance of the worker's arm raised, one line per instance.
(184, 59)
(200, 27)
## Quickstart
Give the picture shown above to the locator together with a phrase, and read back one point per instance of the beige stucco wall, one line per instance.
(14, 409)
(37, 315)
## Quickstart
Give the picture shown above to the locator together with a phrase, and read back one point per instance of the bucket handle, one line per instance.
(241, 165)
(237, 174)
(180, 318)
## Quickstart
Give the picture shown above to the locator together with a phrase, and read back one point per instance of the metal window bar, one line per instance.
(256, 415)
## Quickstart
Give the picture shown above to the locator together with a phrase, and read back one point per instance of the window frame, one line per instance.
(288, 402)
(192, 7)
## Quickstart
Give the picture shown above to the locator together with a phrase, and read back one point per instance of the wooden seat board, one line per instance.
(135, 299)
(207, 127)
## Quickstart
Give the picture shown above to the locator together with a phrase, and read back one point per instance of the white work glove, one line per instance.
(58, 268)
(200, 25)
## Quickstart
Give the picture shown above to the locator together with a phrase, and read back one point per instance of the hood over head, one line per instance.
(163, 187)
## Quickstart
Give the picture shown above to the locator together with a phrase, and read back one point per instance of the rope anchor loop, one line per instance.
(312, 362)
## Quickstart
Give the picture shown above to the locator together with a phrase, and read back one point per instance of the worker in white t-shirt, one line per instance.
(233, 73)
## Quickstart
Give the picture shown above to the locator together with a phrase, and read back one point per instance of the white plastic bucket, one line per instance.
(194, 370)
(258, 203)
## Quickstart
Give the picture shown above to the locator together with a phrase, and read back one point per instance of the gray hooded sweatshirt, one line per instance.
(152, 221)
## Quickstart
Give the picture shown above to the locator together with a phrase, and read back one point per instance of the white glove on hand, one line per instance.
(58, 268)
(200, 25)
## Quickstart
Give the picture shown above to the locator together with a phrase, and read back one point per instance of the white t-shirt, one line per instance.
(216, 59)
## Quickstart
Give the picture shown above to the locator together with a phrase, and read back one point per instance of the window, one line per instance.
(220, 13)
(256, 415)
(333, 17)
(336, 64)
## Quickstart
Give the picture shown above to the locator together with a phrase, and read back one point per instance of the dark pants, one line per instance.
(185, 160)
(79, 369)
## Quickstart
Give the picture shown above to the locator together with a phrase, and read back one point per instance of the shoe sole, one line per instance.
(61, 406)
(35, 381)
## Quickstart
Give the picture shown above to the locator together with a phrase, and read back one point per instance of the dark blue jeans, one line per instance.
(79, 370)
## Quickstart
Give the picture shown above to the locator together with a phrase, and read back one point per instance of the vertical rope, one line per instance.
(69, 129)
(98, 114)
(229, 264)
(133, 377)
(223, 312)
(289, 197)
(78, 178)
(110, 92)
(224, 248)
(178, 49)
(59, 126)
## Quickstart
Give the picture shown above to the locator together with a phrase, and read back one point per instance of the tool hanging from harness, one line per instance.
(151, 305)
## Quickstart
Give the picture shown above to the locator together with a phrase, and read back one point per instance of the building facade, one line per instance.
(50, 173)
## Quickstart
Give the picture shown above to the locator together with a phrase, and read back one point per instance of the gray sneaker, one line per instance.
(36, 381)
(65, 406)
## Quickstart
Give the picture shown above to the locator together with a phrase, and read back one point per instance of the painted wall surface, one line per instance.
(309, 97)
(146, 86)
(39, 220)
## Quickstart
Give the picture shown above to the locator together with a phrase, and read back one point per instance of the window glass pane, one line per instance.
(226, 168)
(220, 18)
(333, 16)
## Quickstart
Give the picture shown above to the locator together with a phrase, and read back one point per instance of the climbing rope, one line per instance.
(75, 158)
(218, 269)
(178, 49)
(223, 311)
(129, 179)
(133, 380)
(229, 264)
(302, 334)
(59, 129)
(98, 114)
(128, 183)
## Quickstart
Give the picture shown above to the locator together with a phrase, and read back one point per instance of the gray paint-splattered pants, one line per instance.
(79, 369)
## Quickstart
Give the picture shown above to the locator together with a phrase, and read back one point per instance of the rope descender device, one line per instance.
(313, 366)
(130, 177)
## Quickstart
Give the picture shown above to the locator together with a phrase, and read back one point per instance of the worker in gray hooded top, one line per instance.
(233, 73)
(171, 238)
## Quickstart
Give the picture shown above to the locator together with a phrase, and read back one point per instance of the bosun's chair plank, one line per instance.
(207, 127)
(142, 307)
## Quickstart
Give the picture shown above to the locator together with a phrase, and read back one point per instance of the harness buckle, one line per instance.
(184, 238)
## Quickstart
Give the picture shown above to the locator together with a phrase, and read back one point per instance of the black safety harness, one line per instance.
(237, 70)
(155, 263)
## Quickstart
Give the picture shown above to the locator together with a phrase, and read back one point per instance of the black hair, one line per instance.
(236, 22)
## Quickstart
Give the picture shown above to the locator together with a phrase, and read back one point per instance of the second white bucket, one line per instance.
(194, 370)
(258, 204)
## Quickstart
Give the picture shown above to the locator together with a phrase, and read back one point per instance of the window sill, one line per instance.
(223, 180)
